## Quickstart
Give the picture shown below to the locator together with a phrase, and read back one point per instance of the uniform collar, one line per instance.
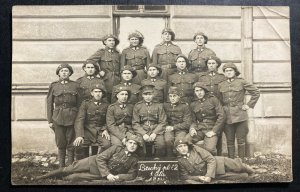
(65, 81)
(174, 105)
(186, 156)
(230, 79)
(148, 103)
(110, 50)
(201, 48)
(135, 47)
(182, 72)
(128, 153)
(97, 102)
(212, 73)
(167, 43)
(127, 83)
(90, 77)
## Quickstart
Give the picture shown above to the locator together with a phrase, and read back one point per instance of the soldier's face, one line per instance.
(131, 145)
(199, 40)
(134, 41)
(148, 96)
(212, 65)
(166, 36)
(126, 75)
(199, 92)
(110, 42)
(182, 149)
(174, 98)
(97, 94)
(153, 72)
(64, 73)
(181, 63)
(229, 72)
(89, 69)
(122, 96)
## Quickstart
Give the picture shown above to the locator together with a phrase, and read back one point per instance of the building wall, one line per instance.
(255, 38)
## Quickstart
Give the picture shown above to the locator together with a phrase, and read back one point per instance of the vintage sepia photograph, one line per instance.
(151, 95)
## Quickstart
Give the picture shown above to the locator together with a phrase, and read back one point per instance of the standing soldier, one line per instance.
(199, 55)
(136, 56)
(119, 116)
(165, 53)
(128, 74)
(208, 119)
(90, 78)
(160, 89)
(62, 105)
(212, 79)
(178, 119)
(233, 97)
(90, 124)
(109, 61)
(149, 121)
(183, 79)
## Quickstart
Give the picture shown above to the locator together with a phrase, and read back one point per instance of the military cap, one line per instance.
(169, 31)
(138, 35)
(129, 68)
(176, 91)
(64, 65)
(135, 138)
(217, 59)
(111, 36)
(156, 66)
(185, 58)
(122, 88)
(233, 66)
(181, 140)
(98, 86)
(97, 68)
(202, 34)
(147, 88)
(201, 85)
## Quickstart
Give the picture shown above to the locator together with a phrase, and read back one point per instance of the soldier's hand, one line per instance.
(169, 128)
(152, 136)
(210, 134)
(193, 132)
(101, 73)
(78, 141)
(106, 135)
(205, 179)
(51, 127)
(124, 141)
(146, 137)
(111, 177)
(245, 107)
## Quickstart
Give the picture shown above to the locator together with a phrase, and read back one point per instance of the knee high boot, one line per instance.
(81, 152)
(56, 173)
(231, 151)
(241, 150)
(70, 154)
(62, 157)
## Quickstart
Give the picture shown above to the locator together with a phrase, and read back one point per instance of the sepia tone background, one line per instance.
(255, 38)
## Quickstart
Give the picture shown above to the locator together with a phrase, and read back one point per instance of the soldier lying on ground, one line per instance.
(117, 163)
(198, 165)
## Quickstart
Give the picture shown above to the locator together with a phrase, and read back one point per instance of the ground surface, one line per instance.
(26, 166)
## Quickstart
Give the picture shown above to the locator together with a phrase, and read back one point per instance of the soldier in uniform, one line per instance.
(208, 119)
(119, 116)
(136, 56)
(212, 78)
(165, 53)
(178, 119)
(90, 124)
(233, 97)
(200, 54)
(196, 165)
(109, 62)
(160, 89)
(63, 100)
(117, 163)
(128, 73)
(149, 121)
(183, 79)
(89, 79)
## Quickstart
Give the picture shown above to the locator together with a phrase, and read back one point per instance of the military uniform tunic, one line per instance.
(109, 61)
(160, 89)
(134, 92)
(212, 80)
(198, 57)
(164, 55)
(119, 121)
(138, 58)
(86, 83)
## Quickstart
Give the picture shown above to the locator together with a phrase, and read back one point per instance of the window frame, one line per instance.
(141, 12)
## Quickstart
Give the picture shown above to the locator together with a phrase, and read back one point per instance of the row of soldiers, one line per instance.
(174, 96)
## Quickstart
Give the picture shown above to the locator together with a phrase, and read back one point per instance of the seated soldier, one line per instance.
(117, 163)
(149, 121)
(178, 118)
(160, 90)
(198, 165)
(208, 119)
(90, 124)
(119, 117)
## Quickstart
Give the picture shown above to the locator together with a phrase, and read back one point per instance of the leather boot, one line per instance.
(219, 145)
(56, 173)
(94, 150)
(241, 150)
(231, 151)
(70, 155)
(61, 157)
(244, 167)
(81, 152)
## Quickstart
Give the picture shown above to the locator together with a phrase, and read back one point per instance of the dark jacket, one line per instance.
(138, 58)
(212, 82)
(86, 84)
(198, 57)
(165, 55)
(160, 89)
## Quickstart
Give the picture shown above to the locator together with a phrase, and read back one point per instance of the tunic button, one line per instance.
(203, 114)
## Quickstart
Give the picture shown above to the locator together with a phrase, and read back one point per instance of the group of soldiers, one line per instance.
(130, 106)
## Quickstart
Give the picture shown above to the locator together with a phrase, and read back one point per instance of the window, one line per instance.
(141, 10)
